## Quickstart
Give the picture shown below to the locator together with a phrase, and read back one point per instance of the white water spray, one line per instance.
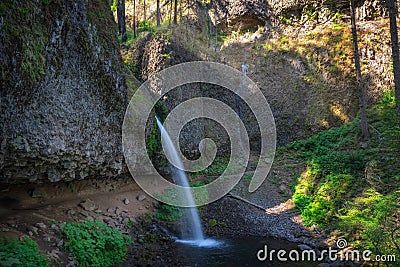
(195, 232)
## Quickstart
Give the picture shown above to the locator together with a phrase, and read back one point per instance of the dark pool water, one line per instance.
(237, 252)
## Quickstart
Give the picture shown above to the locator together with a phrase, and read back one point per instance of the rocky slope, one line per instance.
(299, 53)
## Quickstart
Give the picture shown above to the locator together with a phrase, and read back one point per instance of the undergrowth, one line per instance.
(168, 213)
(94, 243)
(352, 186)
(25, 252)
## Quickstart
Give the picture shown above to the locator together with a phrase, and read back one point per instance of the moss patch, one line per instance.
(26, 33)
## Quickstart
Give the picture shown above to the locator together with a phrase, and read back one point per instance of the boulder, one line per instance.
(62, 102)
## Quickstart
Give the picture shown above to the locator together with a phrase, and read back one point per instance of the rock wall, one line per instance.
(157, 52)
(365, 9)
(238, 15)
(63, 92)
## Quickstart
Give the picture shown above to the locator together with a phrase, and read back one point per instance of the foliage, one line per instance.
(311, 13)
(247, 178)
(320, 206)
(218, 166)
(335, 159)
(375, 218)
(14, 252)
(214, 222)
(166, 56)
(168, 213)
(286, 20)
(284, 40)
(202, 182)
(26, 34)
(225, 38)
(153, 143)
(114, 6)
(131, 67)
(387, 99)
(353, 185)
(145, 26)
(94, 243)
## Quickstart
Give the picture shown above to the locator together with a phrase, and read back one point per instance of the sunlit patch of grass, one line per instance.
(350, 187)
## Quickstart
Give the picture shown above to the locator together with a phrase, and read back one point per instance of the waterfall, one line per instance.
(193, 230)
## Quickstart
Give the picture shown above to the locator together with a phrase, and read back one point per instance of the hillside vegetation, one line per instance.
(351, 187)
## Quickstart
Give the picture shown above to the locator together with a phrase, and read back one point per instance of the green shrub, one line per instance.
(114, 6)
(375, 218)
(217, 168)
(14, 252)
(93, 243)
(301, 200)
(168, 213)
(387, 98)
(145, 26)
(212, 222)
(321, 206)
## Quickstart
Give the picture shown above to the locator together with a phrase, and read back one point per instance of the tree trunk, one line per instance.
(360, 85)
(170, 12)
(123, 22)
(176, 12)
(144, 11)
(134, 19)
(121, 19)
(158, 14)
(181, 10)
(392, 8)
(187, 17)
(119, 15)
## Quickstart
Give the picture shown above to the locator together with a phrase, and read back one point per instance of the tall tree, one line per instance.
(119, 16)
(121, 19)
(176, 12)
(188, 14)
(158, 13)
(171, 6)
(134, 19)
(144, 11)
(392, 8)
(360, 86)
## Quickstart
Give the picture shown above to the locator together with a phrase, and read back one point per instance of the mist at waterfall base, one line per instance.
(191, 231)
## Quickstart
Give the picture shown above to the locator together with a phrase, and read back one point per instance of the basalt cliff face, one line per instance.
(63, 92)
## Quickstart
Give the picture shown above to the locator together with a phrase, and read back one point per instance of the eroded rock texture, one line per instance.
(240, 15)
(62, 95)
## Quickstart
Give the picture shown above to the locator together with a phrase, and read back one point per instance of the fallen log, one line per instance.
(246, 201)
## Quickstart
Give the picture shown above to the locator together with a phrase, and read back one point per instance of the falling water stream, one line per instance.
(192, 233)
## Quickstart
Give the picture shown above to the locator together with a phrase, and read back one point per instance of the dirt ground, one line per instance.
(36, 210)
